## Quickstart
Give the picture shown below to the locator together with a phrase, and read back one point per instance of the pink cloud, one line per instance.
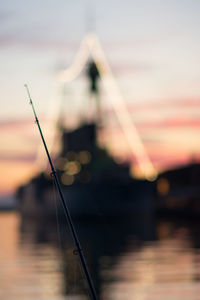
(16, 39)
(129, 68)
(29, 158)
(175, 103)
(162, 104)
(170, 122)
(12, 124)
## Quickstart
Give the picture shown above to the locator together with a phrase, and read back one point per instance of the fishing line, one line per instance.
(57, 218)
(78, 248)
(61, 248)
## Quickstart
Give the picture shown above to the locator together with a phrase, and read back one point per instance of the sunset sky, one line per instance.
(153, 49)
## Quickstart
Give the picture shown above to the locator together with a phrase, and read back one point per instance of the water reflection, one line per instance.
(134, 258)
(102, 239)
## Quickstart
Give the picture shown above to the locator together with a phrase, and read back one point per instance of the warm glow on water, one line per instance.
(136, 259)
(9, 236)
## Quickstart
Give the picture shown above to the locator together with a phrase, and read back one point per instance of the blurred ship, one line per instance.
(93, 183)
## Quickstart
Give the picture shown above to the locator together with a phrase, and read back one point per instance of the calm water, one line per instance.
(137, 258)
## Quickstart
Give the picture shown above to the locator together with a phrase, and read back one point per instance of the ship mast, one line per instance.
(91, 47)
(93, 76)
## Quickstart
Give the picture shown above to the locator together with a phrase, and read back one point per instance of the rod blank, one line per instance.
(66, 210)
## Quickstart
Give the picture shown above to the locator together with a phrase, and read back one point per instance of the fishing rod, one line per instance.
(66, 210)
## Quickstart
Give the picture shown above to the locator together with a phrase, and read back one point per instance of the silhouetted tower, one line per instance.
(93, 76)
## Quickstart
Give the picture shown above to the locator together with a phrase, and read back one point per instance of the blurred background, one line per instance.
(152, 48)
(147, 55)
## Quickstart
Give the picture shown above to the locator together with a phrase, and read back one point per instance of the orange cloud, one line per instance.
(12, 174)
